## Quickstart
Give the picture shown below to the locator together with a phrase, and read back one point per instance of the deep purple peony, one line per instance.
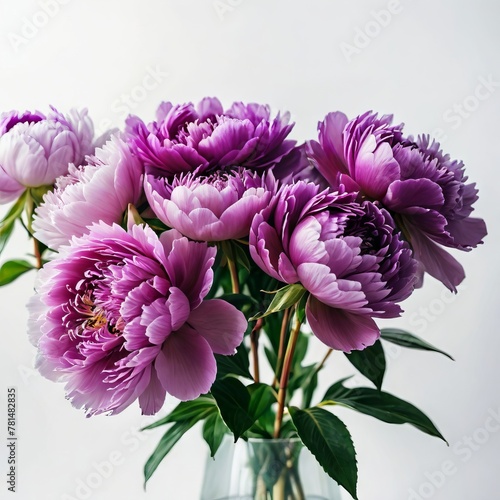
(98, 191)
(36, 149)
(216, 207)
(346, 254)
(185, 138)
(423, 188)
(120, 315)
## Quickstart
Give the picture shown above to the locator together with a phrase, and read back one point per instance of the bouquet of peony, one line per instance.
(194, 254)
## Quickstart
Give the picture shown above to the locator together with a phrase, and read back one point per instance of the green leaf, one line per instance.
(301, 308)
(214, 430)
(329, 441)
(233, 400)
(236, 364)
(262, 396)
(8, 222)
(240, 256)
(370, 362)
(381, 405)
(187, 410)
(15, 211)
(406, 339)
(12, 269)
(185, 415)
(283, 299)
(309, 386)
(166, 443)
(6, 231)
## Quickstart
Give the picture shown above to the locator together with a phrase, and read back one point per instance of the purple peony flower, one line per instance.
(98, 191)
(424, 189)
(119, 316)
(36, 149)
(216, 207)
(346, 254)
(184, 138)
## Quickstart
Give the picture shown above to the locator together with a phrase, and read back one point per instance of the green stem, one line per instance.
(281, 347)
(285, 375)
(30, 208)
(235, 284)
(38, 255)
(254, 343)
(231, 264)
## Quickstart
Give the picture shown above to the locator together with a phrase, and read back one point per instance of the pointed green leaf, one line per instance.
(236, 364)
(6, 231)
(233, 400)
(262, 397)
(370, 362)
(8, 222)
(214, 430)
(241, 256)
(329, 441)
(301, 309)
(381, 405)
(187, 410)
(406, 339)
(309, 386)
(15, 211)
(283, 299)
(166, 443)
(12, 269)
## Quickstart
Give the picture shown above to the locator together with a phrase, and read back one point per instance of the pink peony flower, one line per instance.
(36, 149)
(346, 254)
(422, 187)
(216, 207)
(120, 316)
(98, 191)
(184, 138)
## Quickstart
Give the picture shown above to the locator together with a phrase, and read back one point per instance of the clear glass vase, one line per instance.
(266, 469)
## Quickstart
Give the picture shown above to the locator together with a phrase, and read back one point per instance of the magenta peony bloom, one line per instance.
(36, 149)
(98, 191)
(216, 207)
(423, 188)
(184, 138)
(346, 254)
(119, 316)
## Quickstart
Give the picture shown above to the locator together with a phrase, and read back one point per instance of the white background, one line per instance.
(418, 63)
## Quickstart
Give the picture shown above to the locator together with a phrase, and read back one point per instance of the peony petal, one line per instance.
(413, 193)
(186, 365)
(152, 398)
(467, 233)
(436, 261)
(375, 168)
(340, 329)
(220, 324)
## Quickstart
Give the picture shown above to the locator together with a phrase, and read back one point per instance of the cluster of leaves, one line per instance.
(25, 205)
(239, 405)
